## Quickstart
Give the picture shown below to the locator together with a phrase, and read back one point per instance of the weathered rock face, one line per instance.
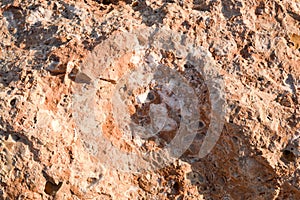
(150, 99)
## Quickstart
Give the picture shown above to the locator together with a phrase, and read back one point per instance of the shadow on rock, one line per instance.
(8, 131)
(151, 16)
(29, 36)
(232, 170)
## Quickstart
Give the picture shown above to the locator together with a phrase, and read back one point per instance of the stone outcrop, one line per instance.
(150, 99)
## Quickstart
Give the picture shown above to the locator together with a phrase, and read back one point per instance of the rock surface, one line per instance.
(48, 48)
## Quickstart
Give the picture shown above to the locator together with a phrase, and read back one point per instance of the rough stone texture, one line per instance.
(255, 44)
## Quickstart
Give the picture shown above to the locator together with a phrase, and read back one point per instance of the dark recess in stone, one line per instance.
(288, 156)
(52, 188)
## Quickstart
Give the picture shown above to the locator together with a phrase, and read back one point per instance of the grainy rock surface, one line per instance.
(254, 46)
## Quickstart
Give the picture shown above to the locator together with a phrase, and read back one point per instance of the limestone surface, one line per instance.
(143, 99)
